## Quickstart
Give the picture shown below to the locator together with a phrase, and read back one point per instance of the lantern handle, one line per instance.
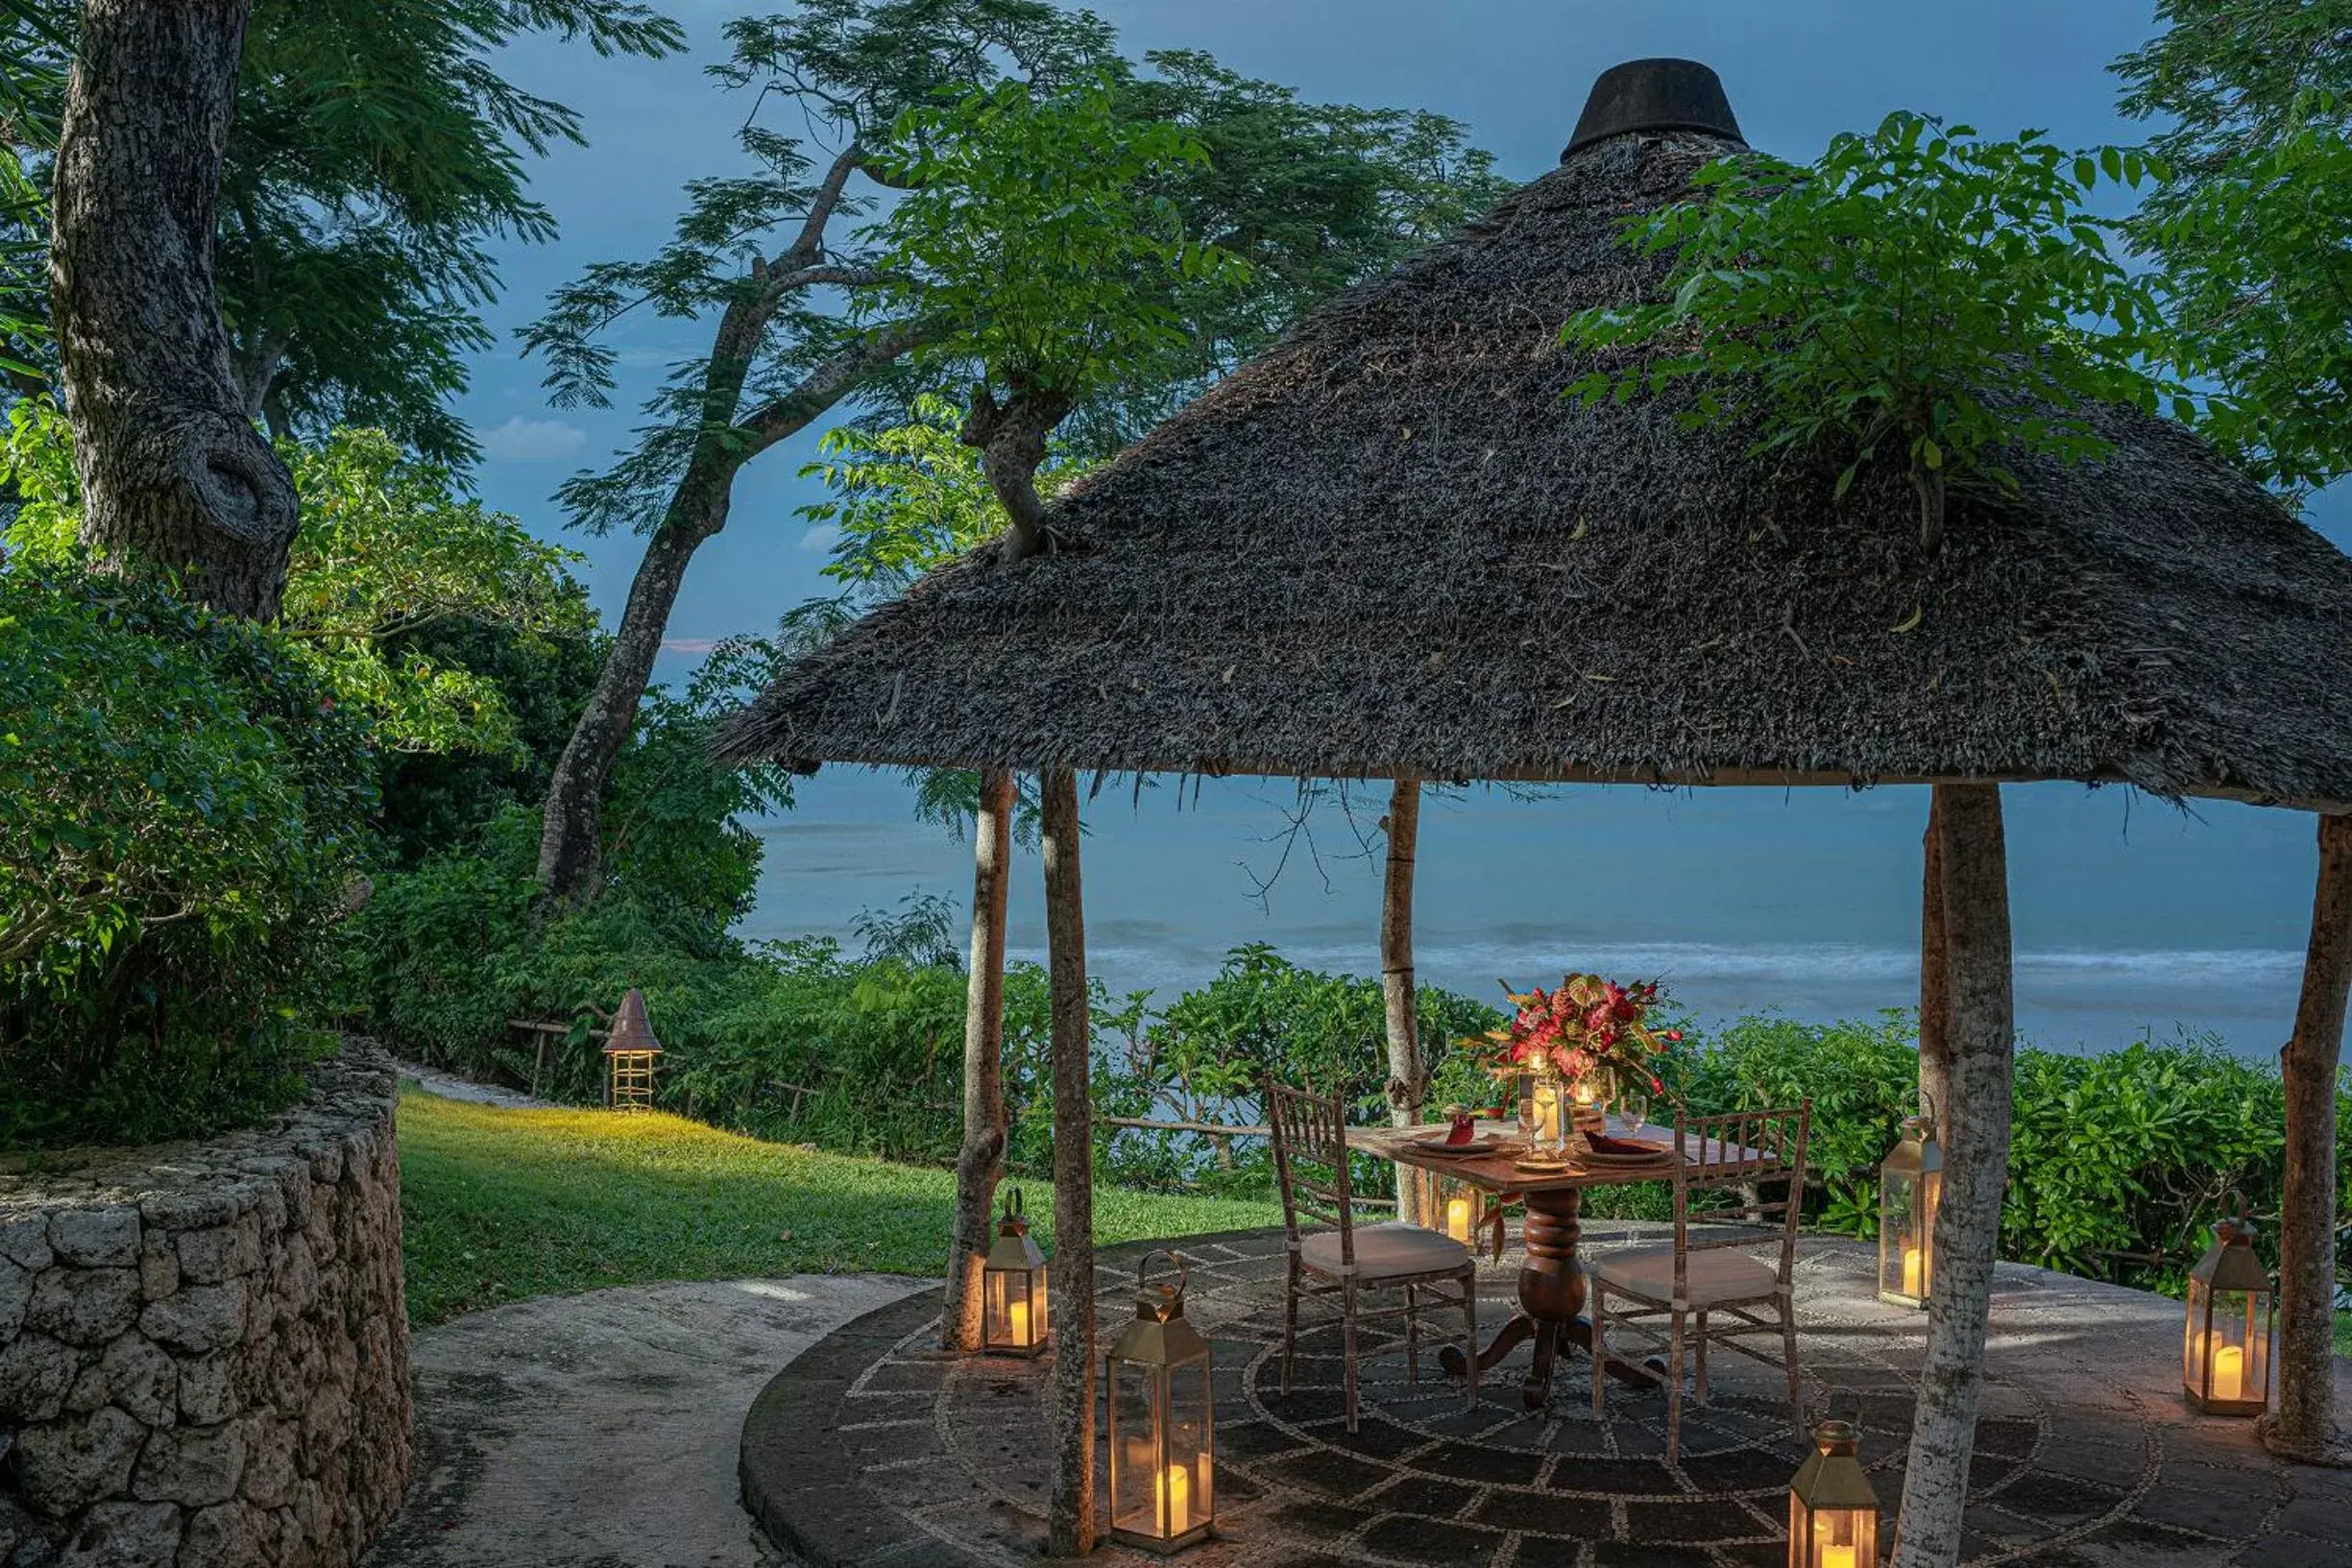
(1144, 1262)
(1854, 1397)
(2234, 1206)
(1013, 1208)
(1936, 1115)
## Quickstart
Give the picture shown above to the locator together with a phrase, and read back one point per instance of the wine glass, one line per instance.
(1633, 1108)
(1528, 1122)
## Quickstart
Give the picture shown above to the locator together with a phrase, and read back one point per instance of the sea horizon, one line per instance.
(2133, 918)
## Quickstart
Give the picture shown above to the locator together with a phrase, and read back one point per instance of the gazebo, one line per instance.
(1389, 548)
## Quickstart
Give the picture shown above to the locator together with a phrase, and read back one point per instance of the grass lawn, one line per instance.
(498, 1205)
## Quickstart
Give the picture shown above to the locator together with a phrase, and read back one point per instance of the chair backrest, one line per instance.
(1310, 1142)
(1746, 1153)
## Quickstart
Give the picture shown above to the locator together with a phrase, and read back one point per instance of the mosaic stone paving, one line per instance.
(874, 1448)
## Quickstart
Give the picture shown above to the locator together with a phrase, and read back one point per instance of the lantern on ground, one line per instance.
(629, 1052)
(1460, 1217)
(1162, 1489)
(1833, 1509)
(1013, 1286)
(2225, 1358)
(1910, 1182)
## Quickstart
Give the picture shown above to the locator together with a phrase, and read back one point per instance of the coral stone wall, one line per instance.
(203, 1348)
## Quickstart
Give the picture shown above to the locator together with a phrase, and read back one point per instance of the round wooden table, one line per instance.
(1551, 1279)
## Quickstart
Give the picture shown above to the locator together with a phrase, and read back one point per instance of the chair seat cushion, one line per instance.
(1715, 1277)
(1386, 1251)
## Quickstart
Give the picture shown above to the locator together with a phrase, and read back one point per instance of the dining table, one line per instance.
(1551, 1279)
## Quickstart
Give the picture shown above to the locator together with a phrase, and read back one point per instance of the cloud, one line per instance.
(532, 441)
(820, 538)
(689, 644)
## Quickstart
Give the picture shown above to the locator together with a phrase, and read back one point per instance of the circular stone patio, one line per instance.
(873, 1448)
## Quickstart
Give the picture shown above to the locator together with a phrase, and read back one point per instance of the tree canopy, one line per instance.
(1919, 288)
(2251, 224)
(374, 158)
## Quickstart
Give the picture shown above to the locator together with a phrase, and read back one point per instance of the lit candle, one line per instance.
(1914, 1271)
(1458, 1218)
(1584, 1091)
(2228, 1373)
(1016, 1323)
(1547, 1111)
(1837, 1556)
(1176, 1498)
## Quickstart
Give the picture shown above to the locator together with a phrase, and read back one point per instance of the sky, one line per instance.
(1754, 899)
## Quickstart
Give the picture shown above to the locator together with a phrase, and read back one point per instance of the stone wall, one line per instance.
(203, 1347)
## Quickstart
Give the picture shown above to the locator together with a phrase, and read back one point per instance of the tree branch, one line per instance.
(827, 384)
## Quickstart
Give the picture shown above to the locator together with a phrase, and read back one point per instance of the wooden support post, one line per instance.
(1406, 1087)
(1070, 1522)
(980, 1165)
(1934, 978)
(1976, 878)
(2302, 1426)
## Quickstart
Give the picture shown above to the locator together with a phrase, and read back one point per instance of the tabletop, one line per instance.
(1497, 1174)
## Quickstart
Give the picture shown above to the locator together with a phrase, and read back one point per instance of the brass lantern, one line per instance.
(2225, 1358)
(1162, 1486)
(1013, 1288)
(630, 1050)
(1833, 1509)
(1910, 1182)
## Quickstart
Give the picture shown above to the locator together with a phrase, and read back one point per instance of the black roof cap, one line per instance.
(1655, 95)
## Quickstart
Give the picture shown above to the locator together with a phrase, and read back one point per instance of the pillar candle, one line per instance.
(2228, 1373)
(1175, 1499)
(1914, 1271)
(1458, 1218)
(1016, 1323)
(1547, 1111)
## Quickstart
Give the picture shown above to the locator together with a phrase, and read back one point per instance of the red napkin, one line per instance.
(1463, 1129)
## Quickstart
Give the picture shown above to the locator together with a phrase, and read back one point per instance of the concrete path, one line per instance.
(447, 1086)
(600, 1431)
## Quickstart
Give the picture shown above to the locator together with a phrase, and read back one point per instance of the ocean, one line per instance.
(2132, 917)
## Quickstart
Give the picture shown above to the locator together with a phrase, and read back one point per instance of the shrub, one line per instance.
(183, 810)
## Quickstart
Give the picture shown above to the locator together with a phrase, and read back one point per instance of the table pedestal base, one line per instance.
(1551, 1301)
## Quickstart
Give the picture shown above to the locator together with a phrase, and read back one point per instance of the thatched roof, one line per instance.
(1389, 547)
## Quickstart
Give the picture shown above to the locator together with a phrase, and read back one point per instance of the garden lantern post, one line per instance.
(629, 1053)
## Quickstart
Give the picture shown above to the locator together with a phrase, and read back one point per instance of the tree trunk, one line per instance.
(2303, 1425)
(1069, 1519)
(172, 472)
(1975, 1170)
(981, 1165)
(1407, 1087)
(1011, 438)
(1934, 978)
(571, 826)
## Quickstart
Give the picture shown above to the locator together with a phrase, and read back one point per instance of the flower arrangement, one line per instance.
(1587, 1027)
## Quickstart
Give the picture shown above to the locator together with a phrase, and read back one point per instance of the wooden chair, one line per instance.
(1704, 1289)
(1310, 1145)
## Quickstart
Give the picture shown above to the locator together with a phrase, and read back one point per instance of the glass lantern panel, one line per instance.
(1138, 1483)
(2229, 1349)
(1189, 1446)
(996, 1308)
(1905, 1234)
(1038, 1295)
(2193, 1339)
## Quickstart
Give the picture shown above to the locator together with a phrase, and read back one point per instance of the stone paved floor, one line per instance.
(873, 1448)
